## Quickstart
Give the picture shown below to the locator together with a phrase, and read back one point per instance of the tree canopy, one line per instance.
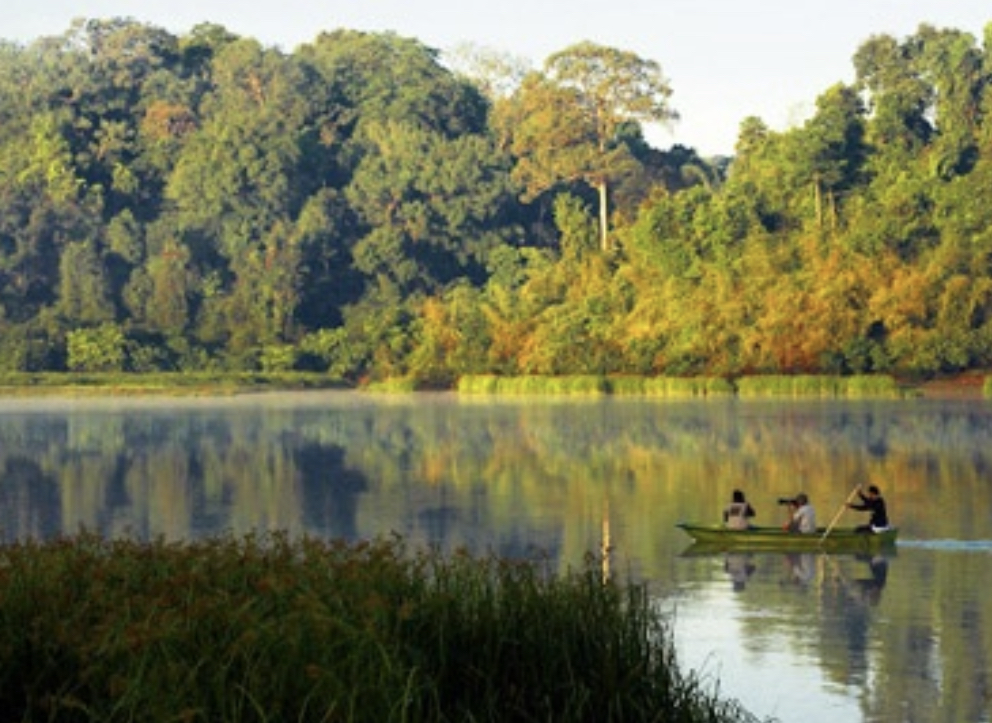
(201, 201)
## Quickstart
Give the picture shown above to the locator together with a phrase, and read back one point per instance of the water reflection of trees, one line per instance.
(316, 467)
(29, 500)
(513, 476)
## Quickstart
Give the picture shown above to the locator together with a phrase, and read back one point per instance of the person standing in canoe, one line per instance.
(737, 514)
(875, 504)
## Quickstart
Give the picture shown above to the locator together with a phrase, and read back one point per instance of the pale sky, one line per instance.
(725, 59)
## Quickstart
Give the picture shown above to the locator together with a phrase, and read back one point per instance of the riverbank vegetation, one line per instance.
(365, 208)
(805, 385)
(268, 629)
(167, 383)
(224, 382)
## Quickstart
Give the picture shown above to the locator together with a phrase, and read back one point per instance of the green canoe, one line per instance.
(840, 539)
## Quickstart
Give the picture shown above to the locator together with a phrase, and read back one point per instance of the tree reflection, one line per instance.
(557, 478)
(30, 503)
(330, 490)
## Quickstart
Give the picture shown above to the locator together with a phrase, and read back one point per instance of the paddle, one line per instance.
(839, 513)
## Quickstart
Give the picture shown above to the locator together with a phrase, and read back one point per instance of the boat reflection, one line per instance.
(856, 577)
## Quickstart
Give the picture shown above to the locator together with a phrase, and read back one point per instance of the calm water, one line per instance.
(804, 638)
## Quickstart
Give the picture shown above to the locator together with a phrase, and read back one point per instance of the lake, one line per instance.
(806, 638)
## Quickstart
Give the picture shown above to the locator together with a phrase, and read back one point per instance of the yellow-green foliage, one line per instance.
(478, 384)
(627, 386)
(671, 387)
(871, 385)
(817, 385)
(269, 629)
(806, 385)
(579, 385)
(987, 387)
(688, 387)
(394, 385)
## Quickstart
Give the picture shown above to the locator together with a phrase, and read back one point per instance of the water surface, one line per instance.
(805, 638)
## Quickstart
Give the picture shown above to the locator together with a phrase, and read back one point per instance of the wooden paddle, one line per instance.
(839, 513)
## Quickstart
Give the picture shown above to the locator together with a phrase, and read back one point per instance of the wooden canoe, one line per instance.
(840, 539)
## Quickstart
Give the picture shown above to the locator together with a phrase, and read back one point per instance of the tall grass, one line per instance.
(268, 629)
(808, 385)
(817, 385)
(392, 385)
(566, 385)
(593, 385)
(871, 385)
(671, 387)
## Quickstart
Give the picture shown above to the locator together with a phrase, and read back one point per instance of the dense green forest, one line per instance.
(358, 206)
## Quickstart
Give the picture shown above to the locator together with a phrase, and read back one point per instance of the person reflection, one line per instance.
(870, 589)
(801, 568)
(739, 566)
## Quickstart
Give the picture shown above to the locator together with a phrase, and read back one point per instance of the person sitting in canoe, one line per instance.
(738, 512)
(875, 504)
(803, 517)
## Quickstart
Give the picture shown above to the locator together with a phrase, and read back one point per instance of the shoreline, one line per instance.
(968, 385)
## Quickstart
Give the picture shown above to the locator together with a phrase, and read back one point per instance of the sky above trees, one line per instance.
(725, 59)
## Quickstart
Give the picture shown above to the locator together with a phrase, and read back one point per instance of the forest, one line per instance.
(366, 207)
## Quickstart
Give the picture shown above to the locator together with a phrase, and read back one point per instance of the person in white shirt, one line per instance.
(737, 514)
(803, 516)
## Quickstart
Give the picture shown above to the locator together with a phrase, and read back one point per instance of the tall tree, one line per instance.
(571, 119)
(432, 208)
(951, 60)
(83, 286)
(899, 97)
(829, 151)
(382, 77)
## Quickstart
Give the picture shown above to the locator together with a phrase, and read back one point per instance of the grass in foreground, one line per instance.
(268, 629)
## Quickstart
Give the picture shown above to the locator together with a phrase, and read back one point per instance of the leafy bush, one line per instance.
(96, 349)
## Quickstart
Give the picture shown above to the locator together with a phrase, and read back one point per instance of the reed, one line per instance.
(478, 384)
(671, 387)
(781, 385)
(270, 629)
(688, 387)
(871, 385)
(536, 385)
(817, 385)
(392, 385)
(592, 385)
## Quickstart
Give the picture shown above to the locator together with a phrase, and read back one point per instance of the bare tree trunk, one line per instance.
(604, 230)
(833, 211)
(818, 198)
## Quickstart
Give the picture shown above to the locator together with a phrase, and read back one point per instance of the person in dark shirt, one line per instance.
(873, 503)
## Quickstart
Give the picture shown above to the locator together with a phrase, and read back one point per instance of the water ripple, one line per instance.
(949, 545)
